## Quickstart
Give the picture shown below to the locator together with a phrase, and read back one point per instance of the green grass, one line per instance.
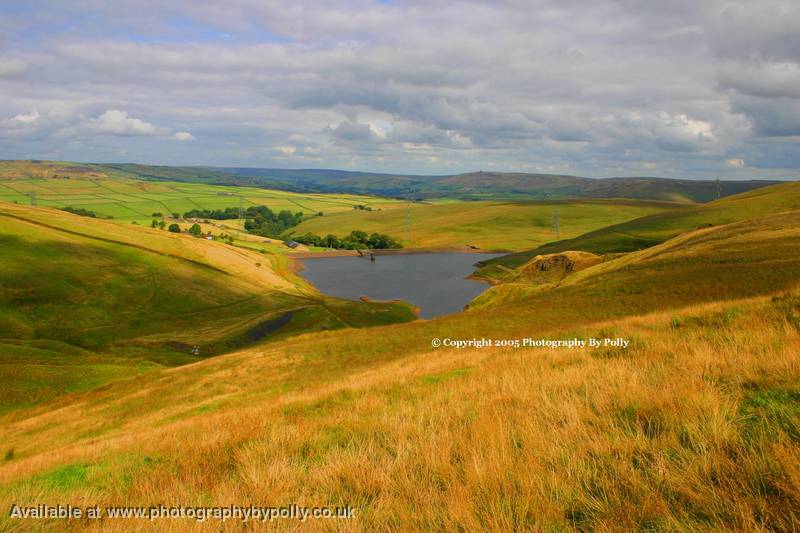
(118, 194)
(692, 427)
(83, 303)
(653, 229)
(469, 186)
(507, 226)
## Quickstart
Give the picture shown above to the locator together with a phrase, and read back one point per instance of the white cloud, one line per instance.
(27, 119)
(119, 123)
(735, 163)
(593, 88)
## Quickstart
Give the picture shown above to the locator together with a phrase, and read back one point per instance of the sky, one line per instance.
(593, 88)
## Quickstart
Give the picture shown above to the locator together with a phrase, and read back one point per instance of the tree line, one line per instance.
(356, 240)
(259, 219)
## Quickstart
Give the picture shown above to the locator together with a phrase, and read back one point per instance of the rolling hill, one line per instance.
(694, 426)
(84, 300)
(128, 198)
(469, 186)
(653, 229)
(498, 226)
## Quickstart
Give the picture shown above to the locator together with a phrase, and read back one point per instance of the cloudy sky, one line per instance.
(597, 88)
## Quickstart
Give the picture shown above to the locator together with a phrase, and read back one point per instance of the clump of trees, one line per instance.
(260, 220)
(356, 240)
(215, 214)
(79, 211)
(174, 228)
(362, 207)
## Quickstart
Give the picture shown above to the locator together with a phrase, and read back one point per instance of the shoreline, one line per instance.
(394, 251)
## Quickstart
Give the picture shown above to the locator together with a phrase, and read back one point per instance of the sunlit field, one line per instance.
(692, 426)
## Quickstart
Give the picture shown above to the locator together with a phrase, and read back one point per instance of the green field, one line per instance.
(128, 201)
(650, 230)
(299, 397)
(84, 301)
(468, 186)
(693, 427)
(441, 223)
(506, 226)
(111, 194)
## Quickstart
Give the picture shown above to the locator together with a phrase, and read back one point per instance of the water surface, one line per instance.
(436, 283)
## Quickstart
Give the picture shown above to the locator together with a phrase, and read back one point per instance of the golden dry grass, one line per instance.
(693, 427)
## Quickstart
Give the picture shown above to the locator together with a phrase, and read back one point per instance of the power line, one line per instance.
(554, 225)
(241, 217)
(408, 222)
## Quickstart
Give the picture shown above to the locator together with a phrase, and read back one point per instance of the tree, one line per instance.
(358, 236)
(161, 224)
(174, 228)
(196, 230)
(154, 223)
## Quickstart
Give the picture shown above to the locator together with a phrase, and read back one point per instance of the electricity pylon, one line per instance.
(554, 226)
(241, 217)
(408, 222)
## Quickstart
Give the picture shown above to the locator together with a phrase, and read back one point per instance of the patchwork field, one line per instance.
(695, 426)
(136, 201)
(440, 223)
(294, 397)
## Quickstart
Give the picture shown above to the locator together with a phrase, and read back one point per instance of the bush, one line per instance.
(79, 211)
(174, 228)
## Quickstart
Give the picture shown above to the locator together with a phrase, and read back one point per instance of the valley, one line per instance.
(143, 365)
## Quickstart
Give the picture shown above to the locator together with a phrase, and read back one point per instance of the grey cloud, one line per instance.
(351, 131)
(597, 87)
(771, 117)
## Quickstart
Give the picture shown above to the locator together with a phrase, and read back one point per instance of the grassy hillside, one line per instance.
(83, 301)
(694, 427)
(741, 259)
(486, 225)
(484, 185)
(111, 193)
(468, 186)
(652, 229)
(488, 185)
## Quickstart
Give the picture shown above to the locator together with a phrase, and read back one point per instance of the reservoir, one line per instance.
(434, 282)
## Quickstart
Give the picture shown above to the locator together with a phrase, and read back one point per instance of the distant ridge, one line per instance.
(468, 186)
(475, 185)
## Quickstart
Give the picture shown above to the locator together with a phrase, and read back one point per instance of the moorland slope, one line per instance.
(694, 426)
(650, 230)
(84, 300)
